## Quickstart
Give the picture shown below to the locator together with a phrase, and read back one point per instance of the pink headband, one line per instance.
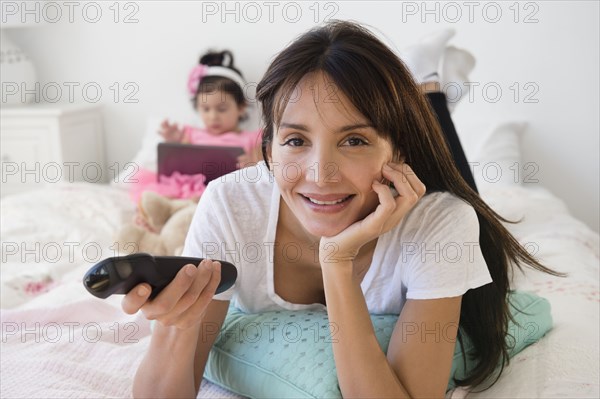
(200, 71)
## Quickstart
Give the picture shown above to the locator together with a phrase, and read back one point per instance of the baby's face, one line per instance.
(325, 148)
(219, 112)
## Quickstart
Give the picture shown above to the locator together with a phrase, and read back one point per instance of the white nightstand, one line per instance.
(43, 144)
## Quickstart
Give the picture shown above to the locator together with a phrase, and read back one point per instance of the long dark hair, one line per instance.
(382, 89)
(209, 84)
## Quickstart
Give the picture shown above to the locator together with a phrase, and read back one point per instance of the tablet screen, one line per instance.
(212, 161)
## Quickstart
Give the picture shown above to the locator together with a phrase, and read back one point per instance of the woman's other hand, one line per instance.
(345, 246)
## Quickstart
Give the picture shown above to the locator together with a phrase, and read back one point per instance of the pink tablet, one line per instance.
(189, 159)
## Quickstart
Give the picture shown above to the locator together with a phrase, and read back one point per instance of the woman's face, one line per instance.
(219, 112)
(324, 149)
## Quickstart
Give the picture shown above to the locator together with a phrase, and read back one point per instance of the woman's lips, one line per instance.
(323, 208)
(326, 197)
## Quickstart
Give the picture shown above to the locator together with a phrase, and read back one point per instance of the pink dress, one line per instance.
(246, 139)
(190, 186)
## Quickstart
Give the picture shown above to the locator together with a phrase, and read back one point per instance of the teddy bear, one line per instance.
(160, 226)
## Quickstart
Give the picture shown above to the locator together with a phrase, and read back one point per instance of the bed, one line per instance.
(59, 341)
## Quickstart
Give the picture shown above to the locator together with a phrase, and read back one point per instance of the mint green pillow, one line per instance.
(288, 354)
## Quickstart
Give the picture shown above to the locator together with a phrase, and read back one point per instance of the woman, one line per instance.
(343, 121)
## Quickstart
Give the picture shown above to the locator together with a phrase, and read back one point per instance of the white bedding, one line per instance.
(58, 341)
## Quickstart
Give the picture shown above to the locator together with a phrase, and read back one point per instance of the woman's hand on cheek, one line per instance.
(344, 247)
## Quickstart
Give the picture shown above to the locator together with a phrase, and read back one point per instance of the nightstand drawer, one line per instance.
(26, 153)
(47, 144)
(28, 145)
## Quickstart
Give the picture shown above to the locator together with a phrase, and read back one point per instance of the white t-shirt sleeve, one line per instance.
(443, 258)
(205, 236)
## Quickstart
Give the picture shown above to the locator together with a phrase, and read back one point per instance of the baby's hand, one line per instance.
(170, 132)
(250, 159)
(243, 161)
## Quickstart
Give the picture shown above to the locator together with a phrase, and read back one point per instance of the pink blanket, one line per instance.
(84, 349)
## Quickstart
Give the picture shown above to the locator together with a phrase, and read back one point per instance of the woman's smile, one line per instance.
(332, 205)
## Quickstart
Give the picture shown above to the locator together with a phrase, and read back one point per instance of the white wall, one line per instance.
(556, 52)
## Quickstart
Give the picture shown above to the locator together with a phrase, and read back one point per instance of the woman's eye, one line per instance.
(356, 141)
(298, 142)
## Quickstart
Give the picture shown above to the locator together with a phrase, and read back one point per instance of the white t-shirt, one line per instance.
(432, 253)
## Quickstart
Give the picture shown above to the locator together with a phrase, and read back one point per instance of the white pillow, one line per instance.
(495, 158)
(146, 157)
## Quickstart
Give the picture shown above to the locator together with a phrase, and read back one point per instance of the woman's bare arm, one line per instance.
(175, 362)
(209, 331)
(418, 361)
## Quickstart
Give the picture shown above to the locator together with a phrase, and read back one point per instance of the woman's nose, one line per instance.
(322, 168)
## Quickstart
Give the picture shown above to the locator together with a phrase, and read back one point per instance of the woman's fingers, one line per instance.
(183, 301)
(196, 311)
(387, 202)
(171, 294)
(415, 183)
(201, 280)
(405, 181)
(136, 298)
(388, 213)
(408, 185)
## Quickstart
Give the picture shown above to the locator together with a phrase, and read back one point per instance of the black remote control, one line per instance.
(119, 274)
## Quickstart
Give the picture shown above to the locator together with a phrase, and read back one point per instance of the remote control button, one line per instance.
(123, 268)
(99, 280)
